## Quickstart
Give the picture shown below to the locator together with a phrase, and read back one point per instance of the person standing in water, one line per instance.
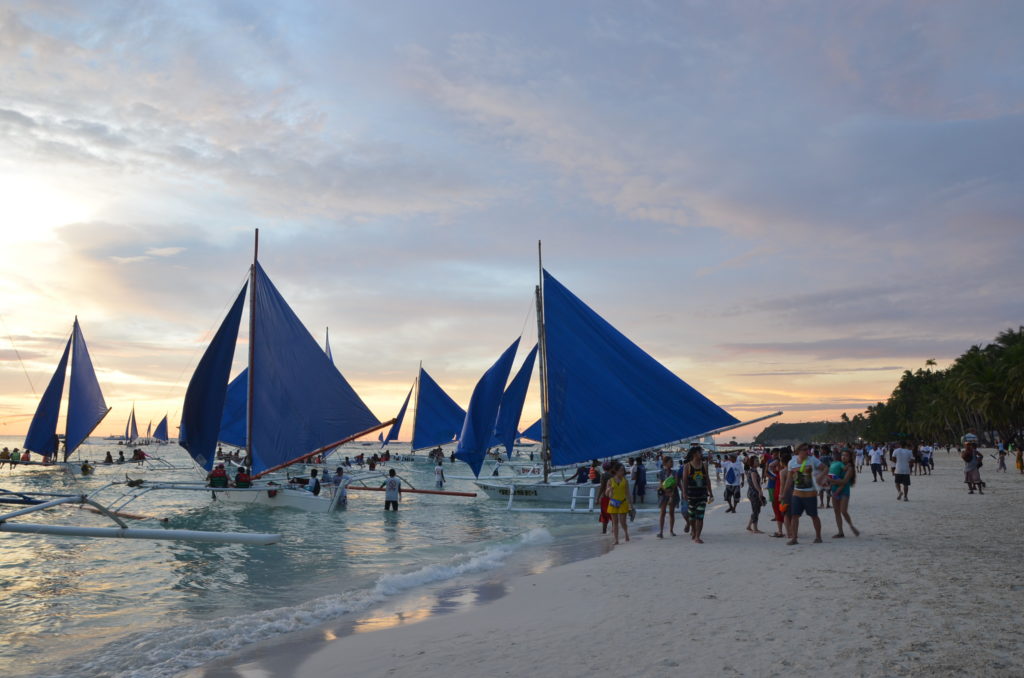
(392, 491)
(438, 476)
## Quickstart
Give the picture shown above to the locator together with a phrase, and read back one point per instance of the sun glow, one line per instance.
(30, 208)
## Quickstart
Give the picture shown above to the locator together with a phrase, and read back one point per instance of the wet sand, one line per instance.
(931, 587)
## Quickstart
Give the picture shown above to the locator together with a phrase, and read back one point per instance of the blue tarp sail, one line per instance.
(533, 431)
(438, 418)
(161, 430)
(42, 432)
(204, 399)
(232, 422)
(301, 402)
(606, 396)
(397, 426)
(86, 407)
(478, 429)
(512, 404)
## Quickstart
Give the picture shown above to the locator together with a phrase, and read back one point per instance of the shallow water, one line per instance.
(111, 607)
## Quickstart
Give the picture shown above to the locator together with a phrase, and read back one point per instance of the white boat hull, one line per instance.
(277, 497)
(550, 493)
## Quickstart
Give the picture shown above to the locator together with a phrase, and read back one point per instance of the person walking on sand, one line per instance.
(697, 487)
(639, 481)
(901, 458)
(668, 497)
(776, 477)
(604, 517)
(972, 467)
(803, 470)
(876, 454)
(842, 476)
(1020, 458)
(617, 491)
(733, 482)
(754, 495)
(1001, 459)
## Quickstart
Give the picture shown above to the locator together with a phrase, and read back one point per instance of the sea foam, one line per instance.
(169, 652)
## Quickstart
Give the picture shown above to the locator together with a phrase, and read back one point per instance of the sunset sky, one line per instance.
(785, 203)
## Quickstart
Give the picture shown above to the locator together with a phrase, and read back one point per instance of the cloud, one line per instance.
(164, 251)
(854, 348)
(780, 373)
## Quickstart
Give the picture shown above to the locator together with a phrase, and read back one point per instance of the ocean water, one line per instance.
(113, 607)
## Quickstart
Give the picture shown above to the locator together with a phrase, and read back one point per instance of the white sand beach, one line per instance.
(930, 588)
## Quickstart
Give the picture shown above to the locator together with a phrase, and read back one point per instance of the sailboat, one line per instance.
(131, 429)
(86, 407)
(296, 402)
(160, 433)
(438, 419)
(601, 394)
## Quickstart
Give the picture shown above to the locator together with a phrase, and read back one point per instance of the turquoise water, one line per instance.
(112, 607)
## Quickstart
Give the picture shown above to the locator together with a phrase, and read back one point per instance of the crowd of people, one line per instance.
(792, 483)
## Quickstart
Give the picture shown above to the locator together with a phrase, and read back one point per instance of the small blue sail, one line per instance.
(86, 407)
(232, 422)
(439, 419)
(397, 426)
(506, 428)
(606, 396)
(478, 429)
(301, 401)
(161, 430)
(204, 398)
(533, 431)
(327, 345)
(42, 432)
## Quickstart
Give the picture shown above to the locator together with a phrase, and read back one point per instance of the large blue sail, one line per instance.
(204, 398)
(300, 401)
(533, 431)
(86, 407)
(397, 426)
(438, 418)
(478, 428)
(511, 409)
(232, 422)
(161, 430)
(42, 432)
(606, 396)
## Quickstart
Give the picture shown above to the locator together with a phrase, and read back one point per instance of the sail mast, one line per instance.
(545, 448)
(252, 349)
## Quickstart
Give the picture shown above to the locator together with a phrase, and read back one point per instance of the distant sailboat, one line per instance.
(438, 419)
(131, 430)
(161, 430)
(478, 428)
(297, 403)
(86, 407)
(397, 426)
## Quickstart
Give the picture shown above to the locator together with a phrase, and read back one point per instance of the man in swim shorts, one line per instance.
(802, 476)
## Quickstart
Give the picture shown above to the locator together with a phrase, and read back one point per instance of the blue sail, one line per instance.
(438, 418)
(533, 431)
(511, 409)
(327, 345)
(204, 398)
(606, 396)
(301, 402)
(478, 429)
(42, 432)
(232, 422)
(161, 430)
(86, 407)
(397, 426)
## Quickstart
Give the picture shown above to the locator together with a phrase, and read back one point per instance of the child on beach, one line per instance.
(617, 491)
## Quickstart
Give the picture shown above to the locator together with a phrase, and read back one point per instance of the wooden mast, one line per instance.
(252, 351)
(545, 447)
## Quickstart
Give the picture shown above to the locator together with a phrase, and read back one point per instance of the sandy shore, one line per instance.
(931, 587)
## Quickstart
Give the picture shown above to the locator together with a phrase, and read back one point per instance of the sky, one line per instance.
(786, 203)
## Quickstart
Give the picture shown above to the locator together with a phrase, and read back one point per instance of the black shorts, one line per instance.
(800, 505)
(388, 504)
(733, 492)
(902, 478)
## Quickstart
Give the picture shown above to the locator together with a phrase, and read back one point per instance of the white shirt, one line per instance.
(876, 455)
(438, 473)
(813, 464)
(391, 486)
(902, 456)
(737, 468)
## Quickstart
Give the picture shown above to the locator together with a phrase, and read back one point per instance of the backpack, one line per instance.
(730, 476)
